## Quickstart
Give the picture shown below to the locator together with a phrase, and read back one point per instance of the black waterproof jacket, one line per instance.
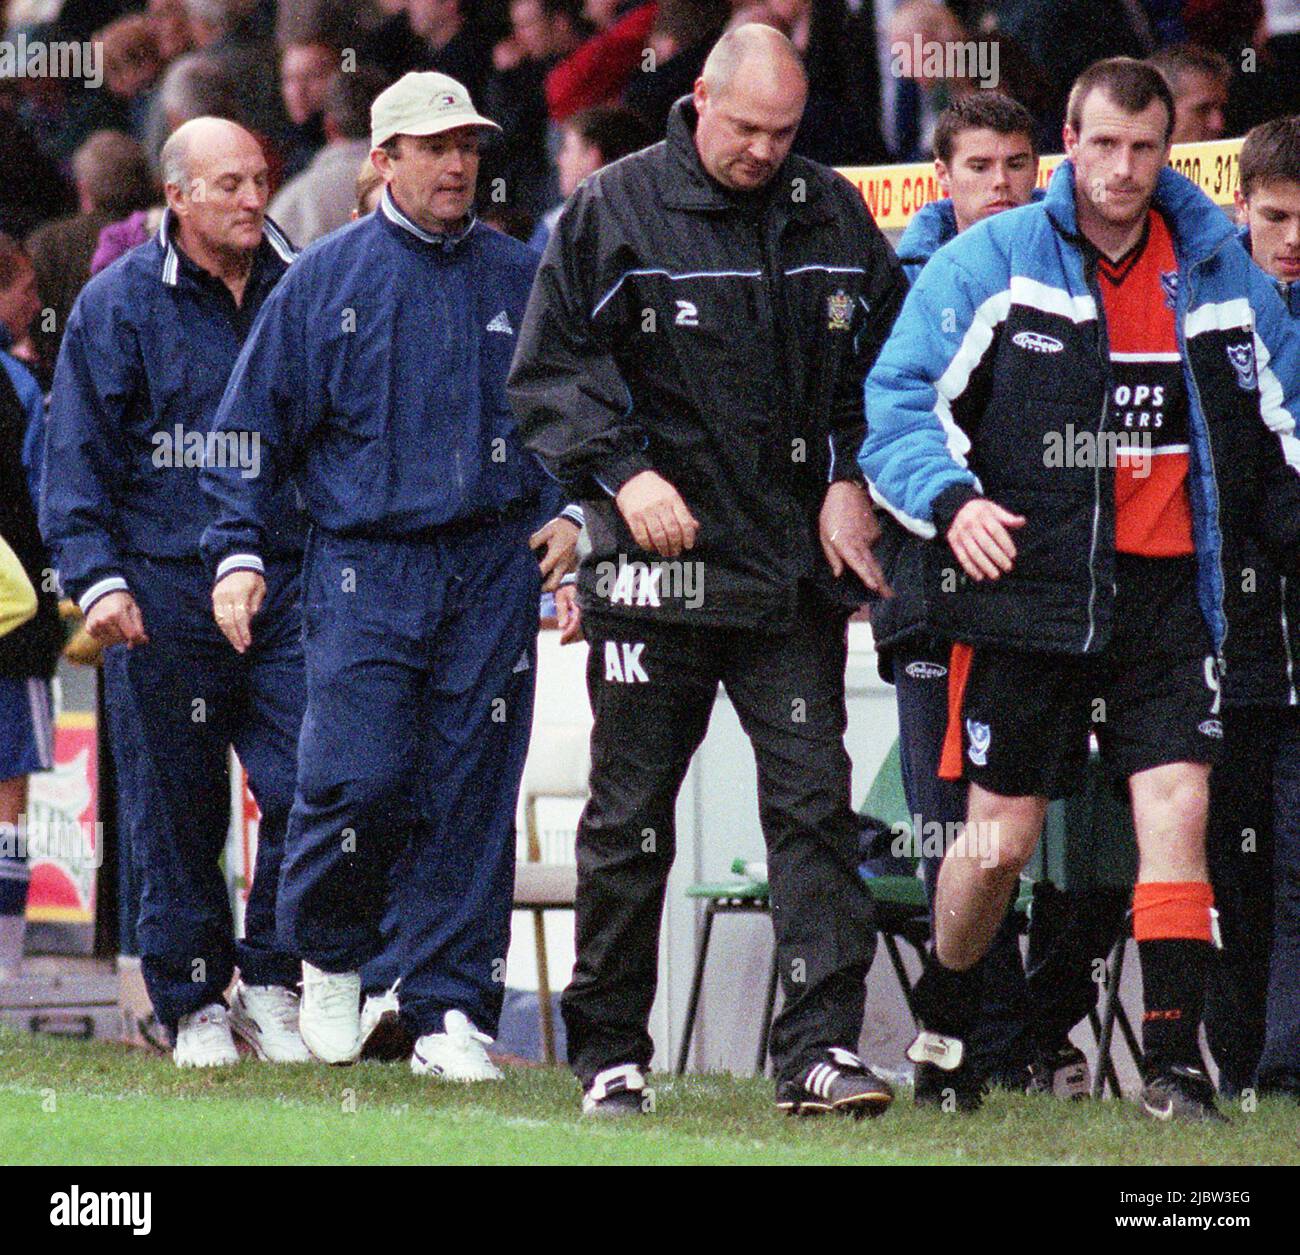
(722, 341)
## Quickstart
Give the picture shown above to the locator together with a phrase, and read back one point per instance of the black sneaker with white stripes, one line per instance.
(618, 1091)
(840, 1082)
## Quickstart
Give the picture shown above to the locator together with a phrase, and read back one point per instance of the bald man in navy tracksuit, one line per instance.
(376, 379)
(145, 358)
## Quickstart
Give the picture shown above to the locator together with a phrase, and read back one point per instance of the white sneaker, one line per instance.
(329, 1018)
(266, 1017)
(456, 1054)
(203, 1039)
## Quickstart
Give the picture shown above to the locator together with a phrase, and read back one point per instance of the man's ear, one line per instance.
(1240, 202)
(1069, 139)
(700, 94)
(945, 179)
(382, 162)
(176, 201)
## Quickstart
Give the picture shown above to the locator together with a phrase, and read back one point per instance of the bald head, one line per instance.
(199, 142)
(215, 177)
(753, 51)
(749, 100)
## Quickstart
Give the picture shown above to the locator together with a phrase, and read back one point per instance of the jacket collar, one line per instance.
(932, 226)
(273, 240)
(398, 220)
(1200, 228)
(690, 187)
(930, 229)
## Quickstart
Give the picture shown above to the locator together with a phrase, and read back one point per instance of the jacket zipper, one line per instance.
(783, 405)
(1103, 351)
(1220, 647)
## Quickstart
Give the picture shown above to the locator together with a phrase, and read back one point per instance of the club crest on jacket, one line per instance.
(838, 309)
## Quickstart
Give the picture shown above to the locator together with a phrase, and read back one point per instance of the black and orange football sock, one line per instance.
(1173, 926)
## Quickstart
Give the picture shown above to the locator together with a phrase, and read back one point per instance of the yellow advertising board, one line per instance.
(895, 193)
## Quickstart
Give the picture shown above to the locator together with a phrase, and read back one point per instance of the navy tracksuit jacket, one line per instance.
(149, 346)
(376, 378)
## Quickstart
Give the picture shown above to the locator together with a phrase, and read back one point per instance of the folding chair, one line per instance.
(1112, 1011)
(902, 909)
(1089, 846)
(740, 897)
(559, 768)
(901, 912)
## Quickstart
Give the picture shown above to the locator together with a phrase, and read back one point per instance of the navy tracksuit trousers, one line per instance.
(133, 779)
(191, 697)
(420, 675)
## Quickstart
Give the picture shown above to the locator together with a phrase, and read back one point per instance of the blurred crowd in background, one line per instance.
(573, 83)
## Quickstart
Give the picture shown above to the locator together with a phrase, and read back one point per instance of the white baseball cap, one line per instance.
(422, 103)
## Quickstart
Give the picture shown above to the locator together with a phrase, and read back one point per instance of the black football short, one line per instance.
(1022, 722)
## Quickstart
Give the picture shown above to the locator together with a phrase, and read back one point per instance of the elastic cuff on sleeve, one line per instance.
(238, 562)
(574, 514)
(101, 589)
(949, 502)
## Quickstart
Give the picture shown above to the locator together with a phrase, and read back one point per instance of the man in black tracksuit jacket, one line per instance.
(690, 366)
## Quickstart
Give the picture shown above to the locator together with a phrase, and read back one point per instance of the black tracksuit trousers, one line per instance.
(652, 689)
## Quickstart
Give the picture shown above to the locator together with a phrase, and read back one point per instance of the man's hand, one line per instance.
(116, 620)
(980, 540)
(235, 600)
(657, 515)
(559, 541)
(848, 529)
(568, 616)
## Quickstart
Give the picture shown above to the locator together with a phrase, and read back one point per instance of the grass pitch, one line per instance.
(95, 1103)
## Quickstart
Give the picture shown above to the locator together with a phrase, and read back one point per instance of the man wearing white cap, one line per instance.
(376, 381)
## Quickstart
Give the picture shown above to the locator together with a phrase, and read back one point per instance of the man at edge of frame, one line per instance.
(1077, 398)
